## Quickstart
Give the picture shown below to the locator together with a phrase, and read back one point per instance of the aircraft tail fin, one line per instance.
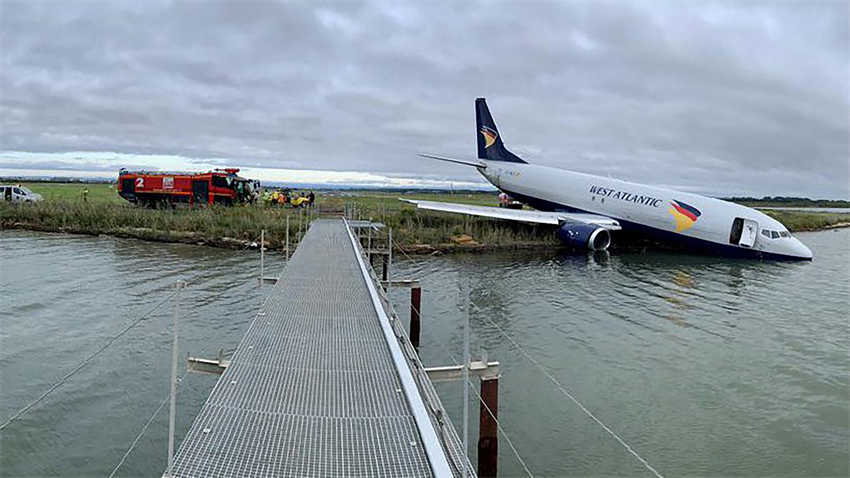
(490, 146)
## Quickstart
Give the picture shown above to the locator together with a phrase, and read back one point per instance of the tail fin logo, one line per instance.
(489, 136)
(684, 214)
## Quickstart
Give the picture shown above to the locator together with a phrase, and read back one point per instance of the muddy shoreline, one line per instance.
(199, 239)
(194, 238)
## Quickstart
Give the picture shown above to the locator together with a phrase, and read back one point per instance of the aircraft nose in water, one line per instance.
(801, 250)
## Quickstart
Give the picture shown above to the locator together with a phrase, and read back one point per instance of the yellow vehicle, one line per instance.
(301, 201)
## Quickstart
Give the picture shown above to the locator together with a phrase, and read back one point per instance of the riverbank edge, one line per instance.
(198, 239)
(195, 238)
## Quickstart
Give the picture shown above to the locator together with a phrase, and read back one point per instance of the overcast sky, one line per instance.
(722, 98)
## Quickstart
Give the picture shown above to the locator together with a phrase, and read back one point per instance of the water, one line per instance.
(705, 366)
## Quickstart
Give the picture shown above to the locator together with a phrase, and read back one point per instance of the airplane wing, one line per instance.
(537, 217)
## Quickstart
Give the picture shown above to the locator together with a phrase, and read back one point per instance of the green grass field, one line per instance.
(106, 193)
(104, 212)
(73, 191)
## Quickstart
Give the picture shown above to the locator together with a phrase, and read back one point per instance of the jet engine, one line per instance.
(586, 236)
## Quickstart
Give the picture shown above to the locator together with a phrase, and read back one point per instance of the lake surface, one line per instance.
(705, 366)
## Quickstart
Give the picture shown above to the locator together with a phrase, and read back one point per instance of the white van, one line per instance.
(19, 193)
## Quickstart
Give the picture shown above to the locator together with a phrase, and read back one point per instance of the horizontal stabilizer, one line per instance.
(465, 162)
(520, 215)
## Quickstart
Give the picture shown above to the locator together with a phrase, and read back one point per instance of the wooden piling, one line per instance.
(488, 432)
(384, 268)
(415, 307)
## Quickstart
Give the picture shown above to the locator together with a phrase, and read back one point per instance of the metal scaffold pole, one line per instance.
(369, 243)
(172, 409)
(262, 255)
(287, 237)
(465, 386)
(300, 220)
(389, 253)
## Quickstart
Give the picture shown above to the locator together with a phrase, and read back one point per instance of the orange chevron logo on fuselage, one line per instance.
(684, 214)
(489, 136)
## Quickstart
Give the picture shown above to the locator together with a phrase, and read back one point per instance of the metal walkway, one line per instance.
(323, 383)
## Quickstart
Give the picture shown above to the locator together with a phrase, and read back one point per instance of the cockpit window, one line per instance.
(774, 234)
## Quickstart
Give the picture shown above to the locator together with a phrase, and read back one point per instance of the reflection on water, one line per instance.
(62, 297)
(706, 366)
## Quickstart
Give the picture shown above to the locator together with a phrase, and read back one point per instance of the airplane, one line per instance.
(586, 209)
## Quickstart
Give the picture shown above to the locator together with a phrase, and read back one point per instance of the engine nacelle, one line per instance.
(587, 236)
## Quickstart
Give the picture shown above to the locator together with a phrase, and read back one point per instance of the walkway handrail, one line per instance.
(433, 447)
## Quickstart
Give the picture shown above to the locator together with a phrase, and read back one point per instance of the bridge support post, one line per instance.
(415, 305)
(488, 431)
(384, 268)
(415, 308)
(488, 428)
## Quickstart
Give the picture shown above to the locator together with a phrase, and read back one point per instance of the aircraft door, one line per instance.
(748, 237)
(744, 232)
(7, 193)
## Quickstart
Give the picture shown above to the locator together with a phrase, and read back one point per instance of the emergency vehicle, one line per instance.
(17, 194)
(167, 189)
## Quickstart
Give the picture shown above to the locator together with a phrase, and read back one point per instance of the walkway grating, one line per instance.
(313, 388)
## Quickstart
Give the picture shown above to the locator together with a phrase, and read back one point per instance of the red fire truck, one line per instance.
(167, 189)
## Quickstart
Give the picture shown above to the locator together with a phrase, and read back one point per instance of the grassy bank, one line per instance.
(797, 221)
(64, 210)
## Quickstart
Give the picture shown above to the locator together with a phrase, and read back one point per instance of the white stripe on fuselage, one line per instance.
(637, 203)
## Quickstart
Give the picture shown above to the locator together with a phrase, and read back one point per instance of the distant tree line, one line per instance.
(789, 201)
(63, 180)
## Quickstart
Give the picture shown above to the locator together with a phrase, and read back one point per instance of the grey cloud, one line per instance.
(716, 97)
(81, 164)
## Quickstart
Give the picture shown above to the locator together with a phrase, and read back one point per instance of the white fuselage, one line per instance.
(642, 206)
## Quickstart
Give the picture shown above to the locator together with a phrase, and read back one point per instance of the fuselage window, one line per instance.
(774, 235)
(784, 233)
(219, 182)
(765, 233)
